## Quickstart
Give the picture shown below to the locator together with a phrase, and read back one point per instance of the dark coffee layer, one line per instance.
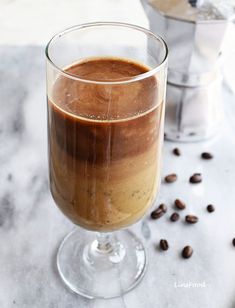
(96, 142)
(79, 136)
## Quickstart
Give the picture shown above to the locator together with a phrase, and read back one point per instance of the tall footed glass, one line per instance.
(106, 93)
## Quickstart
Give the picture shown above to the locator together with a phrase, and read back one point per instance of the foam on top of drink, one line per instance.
(105, 101)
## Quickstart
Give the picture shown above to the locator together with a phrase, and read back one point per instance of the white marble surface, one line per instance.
(31, 227)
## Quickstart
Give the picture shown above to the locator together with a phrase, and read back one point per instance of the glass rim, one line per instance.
(141, 76)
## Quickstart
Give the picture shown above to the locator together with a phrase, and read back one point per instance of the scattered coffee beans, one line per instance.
(210, 208)
(176, 151)
(206, 155)
(170, 178)
(159, 212)
(191, 219)
(187, 252)
(180, 204)
(174, 217)
(164, 244)
(195, 178)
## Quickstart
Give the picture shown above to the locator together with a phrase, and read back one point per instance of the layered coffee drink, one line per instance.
(105, 139)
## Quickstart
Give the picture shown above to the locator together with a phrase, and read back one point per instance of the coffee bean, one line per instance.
(195, 178)
(187, 252)
(210, 208)
(164, 244)
(174, 217)
(170, 178)
(180, 204)
(206, 155)
(176, 151)
(233, 242)
(163, 207)
(191, 219)
(159, 212)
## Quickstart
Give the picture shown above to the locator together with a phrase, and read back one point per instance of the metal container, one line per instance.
(194, 32)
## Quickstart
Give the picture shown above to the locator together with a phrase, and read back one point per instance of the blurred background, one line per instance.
(29, 22)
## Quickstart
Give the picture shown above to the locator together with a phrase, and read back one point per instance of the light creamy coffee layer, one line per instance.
(105, 144)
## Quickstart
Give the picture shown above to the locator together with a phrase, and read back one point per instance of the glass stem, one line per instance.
(105, 248)
(103, 243)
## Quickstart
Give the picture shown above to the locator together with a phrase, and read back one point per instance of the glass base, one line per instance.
(105, 266)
